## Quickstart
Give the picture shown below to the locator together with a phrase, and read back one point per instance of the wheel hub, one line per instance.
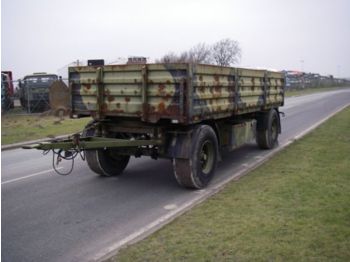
(207, 157)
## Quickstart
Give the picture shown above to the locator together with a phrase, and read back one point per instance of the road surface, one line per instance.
(82, 217)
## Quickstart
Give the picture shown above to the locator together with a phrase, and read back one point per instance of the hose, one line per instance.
(60, 154)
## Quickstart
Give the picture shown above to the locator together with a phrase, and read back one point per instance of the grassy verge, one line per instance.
(295, 207)
(18, 128)
(307, 91)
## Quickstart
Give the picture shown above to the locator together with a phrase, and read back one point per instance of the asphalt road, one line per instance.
(80, 217)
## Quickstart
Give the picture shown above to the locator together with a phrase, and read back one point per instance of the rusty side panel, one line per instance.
(124, 91)
(220, 92)
(183, 92)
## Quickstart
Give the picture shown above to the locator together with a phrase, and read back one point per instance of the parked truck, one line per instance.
(34, 91)
(6, 99)
(7, 91)
(189, 113)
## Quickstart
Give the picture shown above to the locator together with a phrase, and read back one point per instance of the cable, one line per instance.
(59, 155)
(59, 159)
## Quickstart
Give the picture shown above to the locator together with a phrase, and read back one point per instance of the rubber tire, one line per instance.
(102, 161)
(188, 172)
(268, 130)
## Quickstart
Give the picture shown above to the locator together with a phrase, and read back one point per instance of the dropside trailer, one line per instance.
(189, 113)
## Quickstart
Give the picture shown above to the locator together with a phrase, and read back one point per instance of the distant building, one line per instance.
(298, 79)
(137, 60)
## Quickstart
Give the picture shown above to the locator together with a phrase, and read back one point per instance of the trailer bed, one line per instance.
(181, 93)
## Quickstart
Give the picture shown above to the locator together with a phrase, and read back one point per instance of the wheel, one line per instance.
(105, 162)
(197, 171)
(268, 130)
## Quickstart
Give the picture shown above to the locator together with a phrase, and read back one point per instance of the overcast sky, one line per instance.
(44, 36)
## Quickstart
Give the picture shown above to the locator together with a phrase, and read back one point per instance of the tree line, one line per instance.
(225, 52)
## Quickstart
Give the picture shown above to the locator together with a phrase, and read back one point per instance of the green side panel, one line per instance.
(213, 92)
(183, 92)
(150, 92)
(83, 86)
(220, 92)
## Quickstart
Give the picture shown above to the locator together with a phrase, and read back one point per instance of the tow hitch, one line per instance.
(70, 148)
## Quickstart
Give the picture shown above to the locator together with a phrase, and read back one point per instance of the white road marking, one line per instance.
(25, 177)
(170, 207)
(245, 164)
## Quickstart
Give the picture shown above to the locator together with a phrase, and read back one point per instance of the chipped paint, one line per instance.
(186, 92)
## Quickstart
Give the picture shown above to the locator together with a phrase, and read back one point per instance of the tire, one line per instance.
(105, 162)
(198, 171)
(268, 126)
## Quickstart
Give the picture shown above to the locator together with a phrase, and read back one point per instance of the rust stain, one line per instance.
(107, 93)
(127, 99)
(202, 84)
(104, 108)
(168, 82)
(217, 86)
(161, 87)
(118, 105)
(168, 97)
(173, 110)
(216, 78)
(87, 86)
(146, 107)
(161, 107)
(110, 98)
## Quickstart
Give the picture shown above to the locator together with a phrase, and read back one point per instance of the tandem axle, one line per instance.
(194, 150)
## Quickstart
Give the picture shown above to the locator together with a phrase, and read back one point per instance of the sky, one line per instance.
(45, 36)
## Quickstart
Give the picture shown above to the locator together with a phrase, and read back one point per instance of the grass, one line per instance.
(17, 128)
(311, 90)
(296, 207)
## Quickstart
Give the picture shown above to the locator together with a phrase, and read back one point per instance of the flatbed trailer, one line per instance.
(189, 113)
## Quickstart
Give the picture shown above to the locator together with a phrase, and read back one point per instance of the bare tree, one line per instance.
(200, 53)
(184, 57)
(170, 57)
(226, 52)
